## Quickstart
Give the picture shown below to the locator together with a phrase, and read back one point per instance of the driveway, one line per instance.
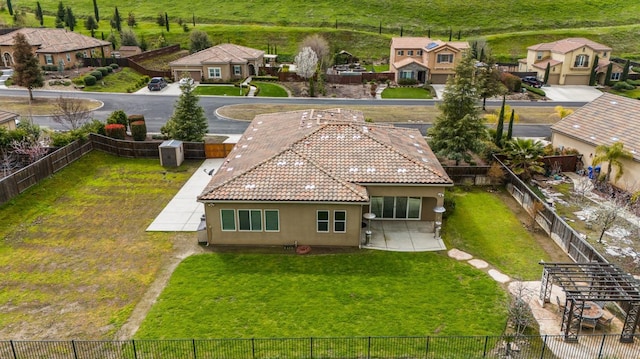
(569, 93)
(4, 75)
(171, 89)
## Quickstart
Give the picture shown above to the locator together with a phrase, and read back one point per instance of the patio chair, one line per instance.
(589, 324)
(605, 322)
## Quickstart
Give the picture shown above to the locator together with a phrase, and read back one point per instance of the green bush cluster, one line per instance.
(511, 82)
(141, 83)
(118, 117)
(97, 75)
(407, 82)
(139, 130)
(115, 130)
(90, 80)
(49, 67)
(623, 86)
(264, 78)
(103, 71)
(60, 139)
(534, 90)
(633, 82)
(114, 66)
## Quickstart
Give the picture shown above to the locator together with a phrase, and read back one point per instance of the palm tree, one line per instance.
(523, 157)
(612, 155)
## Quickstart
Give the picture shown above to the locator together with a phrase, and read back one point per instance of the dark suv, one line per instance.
(532, 81)
(157, 83)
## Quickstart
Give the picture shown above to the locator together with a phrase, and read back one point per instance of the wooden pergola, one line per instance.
(594, 281)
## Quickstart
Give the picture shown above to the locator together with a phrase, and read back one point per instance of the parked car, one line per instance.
(532, 81)
(157, 83)
(186, 81)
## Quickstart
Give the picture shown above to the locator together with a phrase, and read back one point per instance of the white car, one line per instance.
(186, 81)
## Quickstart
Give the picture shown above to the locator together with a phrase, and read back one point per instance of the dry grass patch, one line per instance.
(161, 63)
(40, 106)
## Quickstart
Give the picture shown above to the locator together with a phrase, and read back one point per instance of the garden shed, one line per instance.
(171, 153)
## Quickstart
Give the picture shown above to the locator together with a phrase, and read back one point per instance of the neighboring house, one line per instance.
(8, 120)
(425, 60)
(55, 46)
(225, 62)
(310, 176)
(126, 51)
(604, 121)
(570, 61)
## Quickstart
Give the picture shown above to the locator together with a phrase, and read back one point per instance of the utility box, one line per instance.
(171, 153)
(202, 231)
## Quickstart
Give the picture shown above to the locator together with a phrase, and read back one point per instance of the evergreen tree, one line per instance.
(488, 81)
(95, 11)
(625, 71)
(116, 20)
(131, 20)
(113, 39)
(166, 21)
(459, 130)
(69, 19)
(39, 15)
(128, 38)
(546, 73)
(10, 7)
(510, 131)
(160, 19)
(26, 71)
(188, 122)
(500, 127)
(199, 40)
(594, 69)
(91, 25)
(143, 43)
(60, 16)
(607, 78)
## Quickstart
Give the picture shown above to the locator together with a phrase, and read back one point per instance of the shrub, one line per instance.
(118, 117)
(78, 80)
(633, 82)
(114, 66)
(534, 90)
(407, 82)
(264, 78)
(90, 80)
(50, 68)
(511, 82)
(103, 71)
(623, 86)
(138, 130)
(109, 69)
(135, 118)
(115, 130)
(96, 74)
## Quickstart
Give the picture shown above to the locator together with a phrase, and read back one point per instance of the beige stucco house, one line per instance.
(224, 62)
(308, 177)
(570, 61)
(8, 120)
(55, 46)
(605, 121)
(424, 59)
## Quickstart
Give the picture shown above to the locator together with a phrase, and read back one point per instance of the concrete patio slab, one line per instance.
(403, 236)
(182, 213)
(571, 93)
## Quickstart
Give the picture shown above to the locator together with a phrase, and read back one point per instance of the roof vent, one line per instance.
(353, 169)
(245, 146)
(238, 156)
(576, 126)
(420, 151)
(259, 122)
(412, 136)
(309, 186)
(249, 138)
(614, 138)
(356, 137)
(229, 169)
(250, 186)
(281, 163)
(402, 170)
(298, 163)
(371, 169)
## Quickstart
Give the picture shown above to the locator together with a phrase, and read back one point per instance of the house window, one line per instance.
(250, 220)
(237, 70)
(93, 52)
(215, 73)
(271, 220)
(396, 207)
(539, 55)
(84, 53)
(339, 221)
(48, 59)
(322, 220)
(405, 74)
(615, 76)
(410, 52)
(581, 61)
(228, 219)
(605, 54)
(400, 52)
(68, 57)
(445, 58)
(419, 52)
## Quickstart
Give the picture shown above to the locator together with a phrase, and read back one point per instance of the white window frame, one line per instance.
(327, 221)
(48, 59)
(604, 54)
(410, 53)
(419, 52)
(395, 207)
(441, 57)
(400, 52)
(582, 60)
(251, 214)
(235, 225)
(336, 221)
(615, 76)
(214, 72)
(539, 55)
(68, 57)
(237, 70)
(406, 74)
(277, 220)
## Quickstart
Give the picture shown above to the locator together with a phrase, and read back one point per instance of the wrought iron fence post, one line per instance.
(426, 350)
(195, 355)
(253, 348)
(73, 346)
(544, 346)
(486, 342)
(604, 336)
(311, 346)
(133, 343)
(369, 349)
(13, 349)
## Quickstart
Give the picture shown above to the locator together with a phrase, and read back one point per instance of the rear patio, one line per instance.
(403, 236)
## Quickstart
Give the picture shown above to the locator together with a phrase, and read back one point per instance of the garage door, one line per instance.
(554, 79)
(439, 78)
(576, 80)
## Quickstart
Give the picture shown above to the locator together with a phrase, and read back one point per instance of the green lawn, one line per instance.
(74, 255)
(219, 90)
(268, 89)
(366, 293)
(631, 93)
(124, 80)
(484, 226)
(406, 92)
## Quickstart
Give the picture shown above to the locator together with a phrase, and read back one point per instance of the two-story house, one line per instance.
(570, 61)
(55, 47)
(423, 59)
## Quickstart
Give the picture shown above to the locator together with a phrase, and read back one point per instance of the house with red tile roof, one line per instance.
(220, 63)
(570, 61)
(604, 121)
(423, 59)
(54, 46)
(308, 177)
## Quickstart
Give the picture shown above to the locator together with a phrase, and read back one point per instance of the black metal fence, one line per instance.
(541, 347)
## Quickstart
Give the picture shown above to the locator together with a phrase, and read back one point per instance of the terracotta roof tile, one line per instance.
(543, 64)
(423, 42)
(604, 121)
(569, 44)
(54, 40)
(223, 53)
(6, 116)
(325, 155)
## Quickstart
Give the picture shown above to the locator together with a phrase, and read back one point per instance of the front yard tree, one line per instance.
(612, 155)
(70, 113)
(188, 122)
(91, 25)
(488, 81)
(306, 65)
(198, 41)
(459, 130)
(594, 71)
(26, 71)
(500, 126)
(60, 15)
(546, 73)
(607, 76)
(625, 71)
(128, 38)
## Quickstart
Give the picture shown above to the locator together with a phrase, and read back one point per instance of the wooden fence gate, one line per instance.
(217, 150)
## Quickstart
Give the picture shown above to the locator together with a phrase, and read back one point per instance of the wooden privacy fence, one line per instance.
(217, 150)
(28, 176)
(469, 175)
(143, 149)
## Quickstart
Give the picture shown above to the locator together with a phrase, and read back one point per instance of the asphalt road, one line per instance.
(157, 108)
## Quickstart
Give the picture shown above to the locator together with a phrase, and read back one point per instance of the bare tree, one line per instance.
(8, 163)
(581, 187)
(33, 150)
(320, 46)
(70, 112)
(520, 317)
(607, 214)
(306, 65)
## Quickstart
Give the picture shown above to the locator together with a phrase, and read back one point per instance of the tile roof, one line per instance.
(423, 42)
(223, 53)
(322, 155)
(543, 64)
(54, 40)
(407, 61)
(569, 44)
(6, 116)
(604, 121)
